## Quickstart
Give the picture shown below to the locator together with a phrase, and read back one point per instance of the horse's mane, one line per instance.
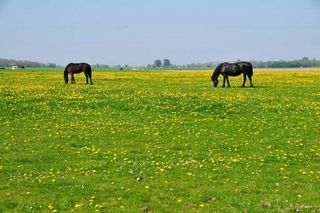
(216, 71)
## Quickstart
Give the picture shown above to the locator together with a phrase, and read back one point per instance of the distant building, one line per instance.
(17, 67)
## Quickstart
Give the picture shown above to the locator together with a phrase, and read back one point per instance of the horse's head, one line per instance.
(215, 74)
(215, 82)
(214, 79)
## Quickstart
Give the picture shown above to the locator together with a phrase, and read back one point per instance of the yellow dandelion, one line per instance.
(78, 205)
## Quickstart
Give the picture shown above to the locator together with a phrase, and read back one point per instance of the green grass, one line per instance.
(160, 141)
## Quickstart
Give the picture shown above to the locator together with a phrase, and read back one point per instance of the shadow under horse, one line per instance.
(75, 68)
(232, 69)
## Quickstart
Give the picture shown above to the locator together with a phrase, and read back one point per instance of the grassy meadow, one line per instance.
(159, 141)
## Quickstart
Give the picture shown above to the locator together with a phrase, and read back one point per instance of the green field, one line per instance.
(159, 141)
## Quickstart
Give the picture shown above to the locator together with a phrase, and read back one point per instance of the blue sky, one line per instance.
(136, 32)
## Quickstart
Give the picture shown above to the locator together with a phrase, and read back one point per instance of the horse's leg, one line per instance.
(90, 77)
(86, 74)
(72, 79)
(228, 81)
(224, 81)
(244, 79)
(250, 78)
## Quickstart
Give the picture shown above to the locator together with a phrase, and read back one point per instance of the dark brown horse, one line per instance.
(74, 68)
(232, 69)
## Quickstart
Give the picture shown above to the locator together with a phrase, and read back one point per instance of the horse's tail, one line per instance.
(65, 74)
(250, 69)
(88, 71)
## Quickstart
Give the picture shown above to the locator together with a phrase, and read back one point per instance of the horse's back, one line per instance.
(230, 69)
(235, 69)
(85, 67)
(246, 67)
(78, 67)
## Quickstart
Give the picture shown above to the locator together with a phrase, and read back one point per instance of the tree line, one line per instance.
(166, 63)
(304, 62)
(23, 63)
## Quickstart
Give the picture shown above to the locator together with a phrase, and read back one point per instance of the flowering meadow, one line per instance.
(159, 141)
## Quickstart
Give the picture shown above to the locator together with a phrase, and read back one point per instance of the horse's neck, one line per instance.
(215, 75)
(217, 71)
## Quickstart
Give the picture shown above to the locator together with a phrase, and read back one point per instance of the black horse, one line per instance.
(73, 68)
(232, 69)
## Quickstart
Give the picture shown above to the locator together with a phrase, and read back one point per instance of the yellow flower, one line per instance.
(50, 206)
(78, 205)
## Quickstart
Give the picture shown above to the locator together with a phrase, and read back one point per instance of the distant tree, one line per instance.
(157, 63)
(166, 63)
(306, 62)
(52, 65)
